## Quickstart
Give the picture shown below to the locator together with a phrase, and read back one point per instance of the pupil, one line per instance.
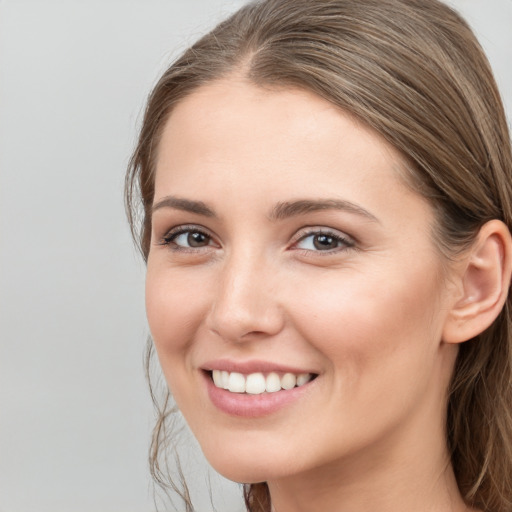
(324, 242)
(197, 239)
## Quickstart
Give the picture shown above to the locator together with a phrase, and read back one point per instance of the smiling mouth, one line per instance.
(258, 383)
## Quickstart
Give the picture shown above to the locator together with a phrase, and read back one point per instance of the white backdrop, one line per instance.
(75, 414)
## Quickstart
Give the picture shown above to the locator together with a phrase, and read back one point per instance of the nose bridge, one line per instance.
(246, 302)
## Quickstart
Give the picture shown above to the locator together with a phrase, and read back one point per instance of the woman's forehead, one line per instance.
(232, 118)
(232, 143)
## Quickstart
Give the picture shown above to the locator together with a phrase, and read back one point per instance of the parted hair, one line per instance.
(413, 71)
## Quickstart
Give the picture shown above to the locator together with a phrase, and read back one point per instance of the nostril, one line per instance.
(255, 334)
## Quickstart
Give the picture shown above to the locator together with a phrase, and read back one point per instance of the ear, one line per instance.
(484, 283)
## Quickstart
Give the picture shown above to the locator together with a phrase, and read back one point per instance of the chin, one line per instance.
(250, 473)
(246, 465)
(242, 475)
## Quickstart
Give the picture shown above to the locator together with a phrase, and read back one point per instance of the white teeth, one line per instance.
(303, 378)
(236, 383)
(217, 378)
(288, 381)
(273, 383)
(225, 379)
(257, 383)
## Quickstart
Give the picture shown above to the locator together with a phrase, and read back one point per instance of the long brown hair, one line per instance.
(414, 72)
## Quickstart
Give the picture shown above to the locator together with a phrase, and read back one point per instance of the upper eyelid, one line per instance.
(312, 230)
(304, 230)
(167, 237)
(298, 235)
(347, 242)
(168, 240)
(183, 228)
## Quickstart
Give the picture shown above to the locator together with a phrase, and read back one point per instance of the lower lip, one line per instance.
(253, 406)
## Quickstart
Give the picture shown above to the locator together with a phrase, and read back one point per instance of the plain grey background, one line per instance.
(75, 414)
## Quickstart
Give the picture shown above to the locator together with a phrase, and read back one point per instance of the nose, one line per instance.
(246, 305)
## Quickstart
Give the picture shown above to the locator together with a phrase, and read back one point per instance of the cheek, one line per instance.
(380, 341)
(373, 325)
(174, 306)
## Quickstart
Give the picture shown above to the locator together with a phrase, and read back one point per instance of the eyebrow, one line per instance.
(185, 205)
(302, 206)
(280, 211)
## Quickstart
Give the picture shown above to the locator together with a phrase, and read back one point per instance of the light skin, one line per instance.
(283, 232)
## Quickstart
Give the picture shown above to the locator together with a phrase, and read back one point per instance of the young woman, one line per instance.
(326, 202)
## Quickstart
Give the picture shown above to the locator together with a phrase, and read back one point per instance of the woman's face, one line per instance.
(286, 249)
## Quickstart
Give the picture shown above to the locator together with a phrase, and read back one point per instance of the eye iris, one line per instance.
(325, 242)
(196, 239)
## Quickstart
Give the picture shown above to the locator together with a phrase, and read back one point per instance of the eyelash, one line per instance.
(170, 237)
(344, 242)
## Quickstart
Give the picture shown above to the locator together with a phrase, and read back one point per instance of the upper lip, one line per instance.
(252, 366)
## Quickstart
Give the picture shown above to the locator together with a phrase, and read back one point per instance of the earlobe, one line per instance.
(485, 281)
